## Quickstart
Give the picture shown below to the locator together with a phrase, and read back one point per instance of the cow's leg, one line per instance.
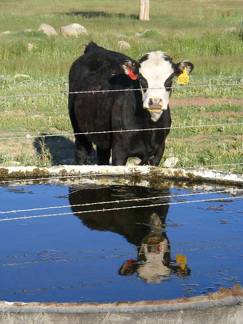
(103, 156)
(84, 152)
(155, 160)
(118, 156)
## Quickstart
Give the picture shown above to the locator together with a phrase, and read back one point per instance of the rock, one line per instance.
(133, 161)
(47, 29)
(123, 45)
(6, 32)
(73, 30)
(28, 30)
(230, 30)
(30, 47)
(21, 76)
(170, 162)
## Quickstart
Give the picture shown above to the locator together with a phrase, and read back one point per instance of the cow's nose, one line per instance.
(155, 103)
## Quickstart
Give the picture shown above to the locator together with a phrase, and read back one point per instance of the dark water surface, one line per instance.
(157, 252)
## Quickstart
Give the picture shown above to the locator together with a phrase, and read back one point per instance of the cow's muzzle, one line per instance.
(155, 105)
(155, 108)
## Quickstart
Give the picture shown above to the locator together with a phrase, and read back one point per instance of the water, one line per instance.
(118, 255)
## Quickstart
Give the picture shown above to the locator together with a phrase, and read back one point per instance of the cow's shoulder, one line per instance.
(92, 51)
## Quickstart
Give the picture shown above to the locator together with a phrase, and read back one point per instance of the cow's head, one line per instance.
(157, 71)
(154, 263)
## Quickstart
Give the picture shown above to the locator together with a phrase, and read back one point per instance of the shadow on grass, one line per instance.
(55, 150)
(97, 14)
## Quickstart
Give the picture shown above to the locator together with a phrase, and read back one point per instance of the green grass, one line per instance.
(214, 146)
(210, 37)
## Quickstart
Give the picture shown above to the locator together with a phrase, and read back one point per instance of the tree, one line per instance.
(144, 10)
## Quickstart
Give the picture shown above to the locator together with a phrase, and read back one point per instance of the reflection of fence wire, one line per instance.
(28, 136)
(114, 201)
(119, 208)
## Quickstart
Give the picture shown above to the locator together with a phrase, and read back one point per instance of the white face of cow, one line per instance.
(157, 68)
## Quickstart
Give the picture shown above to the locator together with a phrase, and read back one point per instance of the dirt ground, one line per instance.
(202, 101)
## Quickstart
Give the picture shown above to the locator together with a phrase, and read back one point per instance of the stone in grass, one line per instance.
(171, 162)
(123, 45)
(20, 77)
(73, 30)
(48, 30)
(6, 32)
(30, 47)
(133, 161)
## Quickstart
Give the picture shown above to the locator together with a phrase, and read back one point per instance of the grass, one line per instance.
(211, 38)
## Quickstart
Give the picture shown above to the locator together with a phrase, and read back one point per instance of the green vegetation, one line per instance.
(209, 33)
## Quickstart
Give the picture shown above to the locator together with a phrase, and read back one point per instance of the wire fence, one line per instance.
(119, 208)
(66, 92)
(199, 125)
(154, 129)
(14, 211)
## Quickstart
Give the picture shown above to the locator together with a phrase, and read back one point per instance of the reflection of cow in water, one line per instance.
(143, 227)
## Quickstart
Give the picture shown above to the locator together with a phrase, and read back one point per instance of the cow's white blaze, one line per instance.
(156, 69)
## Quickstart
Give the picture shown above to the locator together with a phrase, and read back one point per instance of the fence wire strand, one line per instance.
(66, 92)
(29, 136)
(119, 209)
(112, 201)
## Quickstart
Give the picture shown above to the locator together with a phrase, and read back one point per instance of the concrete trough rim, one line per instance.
(222, 298)
(15, 173)
(227, 300)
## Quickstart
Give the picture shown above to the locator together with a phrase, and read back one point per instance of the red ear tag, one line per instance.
(132, 75)
(130, 262)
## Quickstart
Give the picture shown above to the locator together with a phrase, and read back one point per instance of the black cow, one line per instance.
(146, 108)
(143, 227)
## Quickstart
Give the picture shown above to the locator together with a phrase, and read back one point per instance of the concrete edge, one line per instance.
(222, 298)
(138, 173)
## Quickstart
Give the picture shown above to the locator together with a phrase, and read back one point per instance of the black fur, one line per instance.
(135, 225)
(101, 69)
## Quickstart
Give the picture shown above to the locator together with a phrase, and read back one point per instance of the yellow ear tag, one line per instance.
(183, 78)
(182, 261)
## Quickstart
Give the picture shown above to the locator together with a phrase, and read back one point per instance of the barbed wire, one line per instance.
(113, 201)
(117, 209)
(66, 92)
(29, 136)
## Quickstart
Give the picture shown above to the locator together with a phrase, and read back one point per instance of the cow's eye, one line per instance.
(168, 84)
(143, 83)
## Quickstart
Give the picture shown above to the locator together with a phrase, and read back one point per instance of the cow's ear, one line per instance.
(182, 70)
(181, 66)
(128, 267)
(130, 69)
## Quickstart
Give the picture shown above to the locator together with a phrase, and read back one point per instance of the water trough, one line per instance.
(82, 263)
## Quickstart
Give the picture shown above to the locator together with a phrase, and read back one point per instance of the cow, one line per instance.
(144, 227)
(119, 101)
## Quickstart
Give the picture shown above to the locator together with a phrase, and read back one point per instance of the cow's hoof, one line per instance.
(82, 157)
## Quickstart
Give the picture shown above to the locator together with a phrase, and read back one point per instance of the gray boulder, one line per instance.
(123, 45)
(73, 30)
(48, 30)
(6, 32)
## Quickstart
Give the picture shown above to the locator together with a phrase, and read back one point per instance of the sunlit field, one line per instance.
(208, 33)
